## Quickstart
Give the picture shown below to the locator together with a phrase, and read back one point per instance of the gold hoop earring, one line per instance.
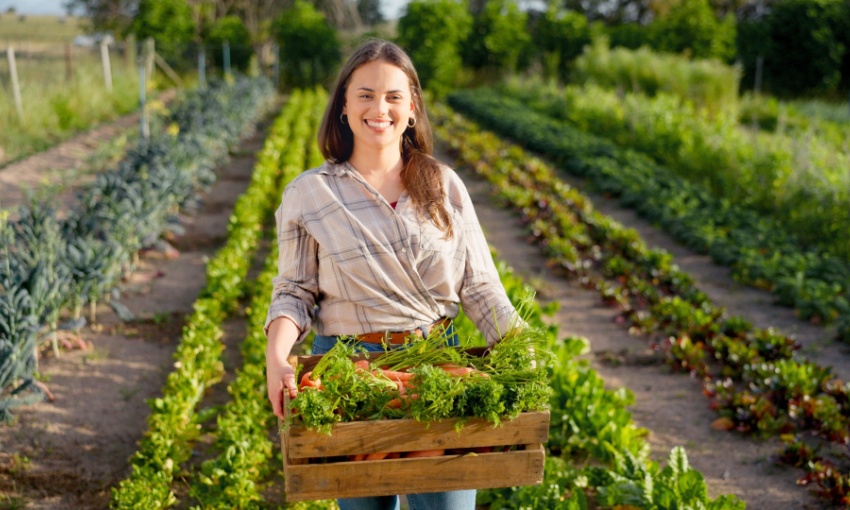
(343, 118)
(411, 121)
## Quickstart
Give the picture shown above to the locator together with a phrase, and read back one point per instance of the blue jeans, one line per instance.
(450, 500)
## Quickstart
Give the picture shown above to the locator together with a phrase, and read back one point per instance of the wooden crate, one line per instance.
(314, 465)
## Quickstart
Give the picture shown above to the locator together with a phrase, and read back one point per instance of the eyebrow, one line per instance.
(367, 89)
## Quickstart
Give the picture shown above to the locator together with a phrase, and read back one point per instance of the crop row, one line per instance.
(236, 476)
(52, 264)
(173, 424)
(800, 178)
(590, 424)
(755, 246)
(753, 376)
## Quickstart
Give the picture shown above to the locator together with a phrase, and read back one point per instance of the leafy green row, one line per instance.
(234, 478)
(173, 424)
(49, 264)
(757, 383)
(815, 284)
(595, 451)
(799, 178)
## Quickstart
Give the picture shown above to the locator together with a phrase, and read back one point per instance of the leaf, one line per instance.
(678, 461)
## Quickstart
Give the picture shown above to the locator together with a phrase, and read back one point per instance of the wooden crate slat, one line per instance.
(409, 435)
(411, 476)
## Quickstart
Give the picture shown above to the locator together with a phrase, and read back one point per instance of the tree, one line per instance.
(171, 25)
(310, 50)
(370, 12)
(691, 26)
(431, 32)
(806, 46)
(560, 36)
(498, 37)
(232, 30)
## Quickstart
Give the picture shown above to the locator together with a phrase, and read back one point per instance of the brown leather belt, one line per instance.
(400, 337)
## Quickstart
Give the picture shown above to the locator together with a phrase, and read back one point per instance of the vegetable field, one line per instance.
(662, 395)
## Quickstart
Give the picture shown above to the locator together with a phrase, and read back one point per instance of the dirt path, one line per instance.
(67, 454)
(62, 162)
(671, 406)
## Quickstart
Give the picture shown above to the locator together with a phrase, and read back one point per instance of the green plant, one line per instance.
(310, 49)
(431, 32)
(498, 38)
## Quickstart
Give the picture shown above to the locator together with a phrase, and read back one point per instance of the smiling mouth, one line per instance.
(379, 124)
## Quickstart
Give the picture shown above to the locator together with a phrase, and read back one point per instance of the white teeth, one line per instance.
(379, 125)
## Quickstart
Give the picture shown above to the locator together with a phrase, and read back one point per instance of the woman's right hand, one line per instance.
(280, 375)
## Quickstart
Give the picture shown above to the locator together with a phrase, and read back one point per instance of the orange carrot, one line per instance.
(377, 456)
(308, 382)
(393, 374)
(362, 364)
(424, 453)
(357, 457)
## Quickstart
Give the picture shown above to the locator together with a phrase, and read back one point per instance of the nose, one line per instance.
(383, 106)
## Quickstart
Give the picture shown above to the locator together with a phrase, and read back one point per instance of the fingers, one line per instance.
(289, 384)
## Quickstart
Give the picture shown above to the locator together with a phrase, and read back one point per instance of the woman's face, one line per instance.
(378, 103)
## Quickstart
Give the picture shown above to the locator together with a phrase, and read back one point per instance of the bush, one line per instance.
(170, 24)
(431, 32)
(560, 37)
(232, 30)
(691, 27)
(708, 83)
(310, 50)
(805, 46)
(498, 37)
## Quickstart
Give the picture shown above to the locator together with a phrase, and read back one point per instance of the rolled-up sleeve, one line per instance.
(482, 294)
(295, 288)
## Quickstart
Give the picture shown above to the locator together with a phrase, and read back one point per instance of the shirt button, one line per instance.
(404, 250)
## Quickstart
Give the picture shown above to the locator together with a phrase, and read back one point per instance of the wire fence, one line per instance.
(51, 90)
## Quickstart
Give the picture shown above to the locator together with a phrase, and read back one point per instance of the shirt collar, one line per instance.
(337, 169)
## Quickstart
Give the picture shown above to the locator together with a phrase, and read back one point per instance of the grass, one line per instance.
(39, 29)
(58, 102)
(55, 107)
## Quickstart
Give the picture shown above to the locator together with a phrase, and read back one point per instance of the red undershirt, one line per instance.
(393, 204)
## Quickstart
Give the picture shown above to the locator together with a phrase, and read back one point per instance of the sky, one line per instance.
(392, 8)
(34, 6)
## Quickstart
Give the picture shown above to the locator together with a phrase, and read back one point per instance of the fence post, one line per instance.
(16, 87)
(148, 51)
(69, 66)
(144, 130)
(226, 51)
(107, 68)
(202, 67)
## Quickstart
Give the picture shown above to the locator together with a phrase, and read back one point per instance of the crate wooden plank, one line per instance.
(409, 435)
(412, 476)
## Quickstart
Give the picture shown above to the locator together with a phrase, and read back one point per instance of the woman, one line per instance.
(381, 242)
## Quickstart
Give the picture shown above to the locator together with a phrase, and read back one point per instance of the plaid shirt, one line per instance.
(350, 264)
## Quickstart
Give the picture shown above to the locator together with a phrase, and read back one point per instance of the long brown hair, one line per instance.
(420, 173)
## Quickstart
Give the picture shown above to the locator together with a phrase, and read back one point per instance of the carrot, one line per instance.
(423, 453)
(397, 402)
(393, 374)
(361, 364)
(458, 371)
(357, 457)
(308, 382)
(377, 456)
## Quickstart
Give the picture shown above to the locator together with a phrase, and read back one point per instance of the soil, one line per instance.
(67, 454)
